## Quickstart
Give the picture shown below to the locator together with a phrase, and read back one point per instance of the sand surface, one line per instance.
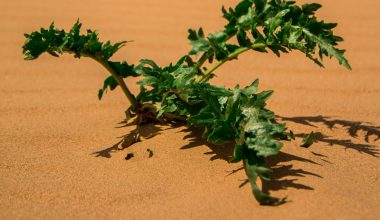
(55, 136)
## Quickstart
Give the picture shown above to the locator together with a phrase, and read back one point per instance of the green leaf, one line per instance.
(260, 5)
(252, 89)
(217, 43)
(123, 69)
(56, 42)
(221, 134)
(294, 38)
(198, 42)
(277, 20)
(243, 39)
(109, 83)
(238, 154)
(326, 46)
(265, 95)
(265, 199)
(310, 9)
(242, 7)
(254, 171)
(204, 118)
(308, 140)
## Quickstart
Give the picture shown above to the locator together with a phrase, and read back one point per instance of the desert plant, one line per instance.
(182, 92)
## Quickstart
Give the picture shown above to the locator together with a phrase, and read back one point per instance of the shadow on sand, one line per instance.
(280, 171)
(146, 131)
(284, 175)
(353, 128)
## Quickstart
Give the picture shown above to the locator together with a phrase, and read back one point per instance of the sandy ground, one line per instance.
(54, 133)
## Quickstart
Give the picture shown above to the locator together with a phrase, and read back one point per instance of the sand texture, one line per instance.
(56, 138)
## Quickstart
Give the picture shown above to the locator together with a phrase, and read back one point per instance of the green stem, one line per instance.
(120, 81)
(206, 55)
(231, 56)
(202, 60)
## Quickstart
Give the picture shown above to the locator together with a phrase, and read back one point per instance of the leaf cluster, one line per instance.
(182, 92)
(276, 25)
(56, 42)
(235, 116)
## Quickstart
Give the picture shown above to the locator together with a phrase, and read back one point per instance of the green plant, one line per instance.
(182, 92)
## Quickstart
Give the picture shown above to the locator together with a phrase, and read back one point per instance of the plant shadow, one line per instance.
(280, 170)
(146, 131)
(353, 128)
(195, 139)
(283, 176)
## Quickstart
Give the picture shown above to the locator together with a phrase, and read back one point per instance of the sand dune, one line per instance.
(54, 133)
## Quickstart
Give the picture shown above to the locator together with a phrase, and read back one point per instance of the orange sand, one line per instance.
(52, 125)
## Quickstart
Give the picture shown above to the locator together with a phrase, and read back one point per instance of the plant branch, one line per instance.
(202, 60)
(230, 57)
(131, 98)
(120, 81)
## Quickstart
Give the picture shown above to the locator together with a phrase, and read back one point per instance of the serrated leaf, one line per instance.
(251, 89)
(204, 118)
(242, 7)
(277, 20)
(260, 4)
(109, 83)
(253, 172)
(308, 140)
(265, 95)
(261, 137)
(123, 69)
(310, 9)
(243, 39)
(55, 42)
(198, 41)
(233, 108)
(338, 54)
(221, 133)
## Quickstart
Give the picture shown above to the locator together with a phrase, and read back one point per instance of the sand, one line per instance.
(55, 136)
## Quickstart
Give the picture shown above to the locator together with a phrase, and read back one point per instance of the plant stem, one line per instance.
(231, 56)
(120, 81)
(202, 60)
(206, 55)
